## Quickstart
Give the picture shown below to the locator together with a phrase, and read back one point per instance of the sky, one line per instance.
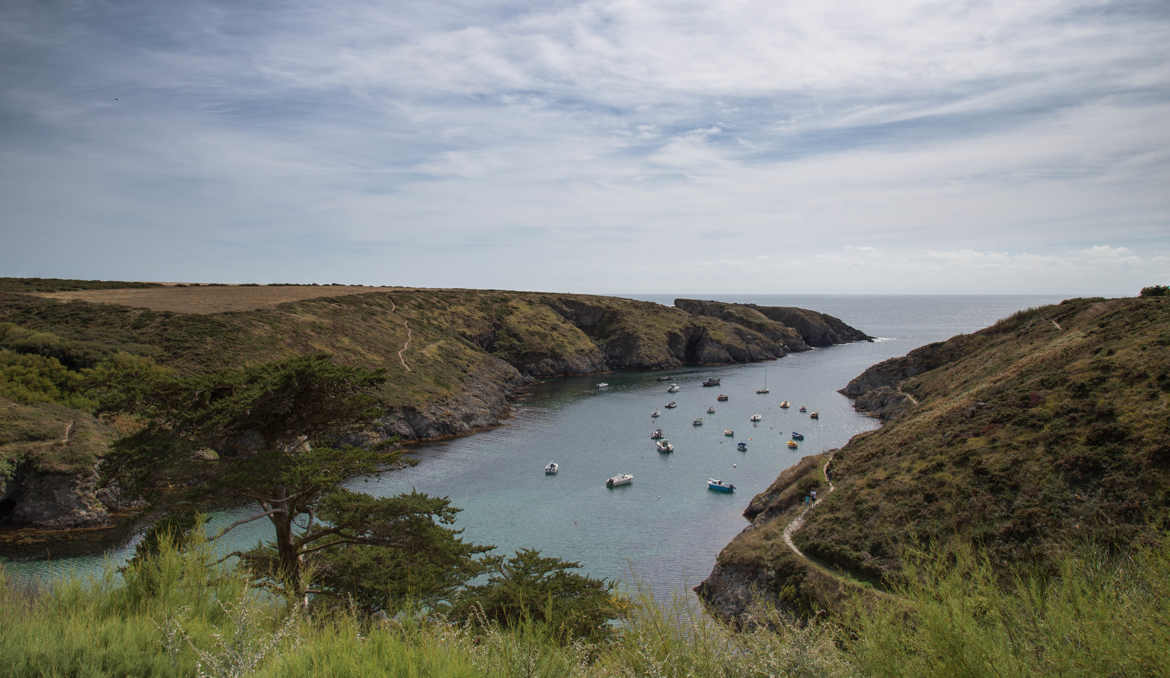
(610, 146)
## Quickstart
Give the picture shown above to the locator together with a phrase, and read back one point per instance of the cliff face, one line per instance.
(1045, 430)
(454, 357)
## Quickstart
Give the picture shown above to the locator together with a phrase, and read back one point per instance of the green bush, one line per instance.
(1156, 291)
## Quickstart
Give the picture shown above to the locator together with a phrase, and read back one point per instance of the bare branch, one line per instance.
(242, 521)
(237, 554)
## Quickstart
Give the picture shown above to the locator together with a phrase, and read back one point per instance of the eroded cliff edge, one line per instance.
(455, 358)
(1047, 430)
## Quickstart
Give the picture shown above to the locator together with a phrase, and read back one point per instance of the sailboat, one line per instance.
(765, 387)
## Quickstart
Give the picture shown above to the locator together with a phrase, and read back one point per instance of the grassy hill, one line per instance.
(1044, 432)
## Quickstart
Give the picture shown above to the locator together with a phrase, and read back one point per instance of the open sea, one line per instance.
(661, 533)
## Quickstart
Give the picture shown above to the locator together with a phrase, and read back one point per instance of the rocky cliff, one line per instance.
(797, 329)
(1045, 431)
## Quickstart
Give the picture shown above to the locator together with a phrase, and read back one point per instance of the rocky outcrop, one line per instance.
(483, 403)
(52, 500)
(877, 390)
(815, 328)
(797, 329)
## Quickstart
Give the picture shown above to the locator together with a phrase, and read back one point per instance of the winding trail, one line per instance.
(68, 432)
(798, 522)
(409, 335)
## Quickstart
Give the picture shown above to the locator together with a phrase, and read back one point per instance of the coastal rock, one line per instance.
(55, 501)
(797, 329)
(815, 328)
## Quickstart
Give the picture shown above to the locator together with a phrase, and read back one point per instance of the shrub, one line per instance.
(1156, 291)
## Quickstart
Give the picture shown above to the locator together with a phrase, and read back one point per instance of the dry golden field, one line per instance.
(205, 299)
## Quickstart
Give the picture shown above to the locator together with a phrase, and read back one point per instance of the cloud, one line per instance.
(992, 136)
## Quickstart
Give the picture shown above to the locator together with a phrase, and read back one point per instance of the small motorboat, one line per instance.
(720, 485)
(710, 410)
(797, 436)
(741, 446)
(764, 389)
(722, 397)
(791, 444)
(729, 433)
(666, 378)
(784, 405)
(656, 434)
(803, 408)
(671, 405)
(813, 415)
(664, 446)
(755, 417)
(602, 386)
(673, 388)
(551, 469)
(619, 480)
(655, 414)
(697, 422)
(711, 381)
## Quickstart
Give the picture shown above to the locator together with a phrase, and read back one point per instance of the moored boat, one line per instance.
(711, 381)
(697, 422)
(803, 408)
(656, 434)
(551, 469)
(619, 480)
(791, 444)
(741, 446)
(720, 485)
(797, 436)
(710, 410)
(666, 378)
(655, 414)
(755, 417)
(673, 388)
(602, 385)
(671, 405)
(729, 433)
(664, 446)
(722, 397)
(784, 405)
(813, 415)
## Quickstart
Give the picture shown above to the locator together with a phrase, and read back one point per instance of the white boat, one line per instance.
(551, 469)
(697, 422)
(664, 446)
(619, 480)
(813, 415)
(656, 434)
(602, 386)
(710, 410)
(729, 433)
(655, 414)
(784, 405)
(756, 417)
(765, 387)
(720, 485)
(673, 388)
(671, 405)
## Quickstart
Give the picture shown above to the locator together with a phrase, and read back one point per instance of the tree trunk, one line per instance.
(290, 564)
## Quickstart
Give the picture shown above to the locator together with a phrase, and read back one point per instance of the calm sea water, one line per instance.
(661, 533)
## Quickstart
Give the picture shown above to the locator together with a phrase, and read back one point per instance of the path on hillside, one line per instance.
(798, 522)
(409, 334)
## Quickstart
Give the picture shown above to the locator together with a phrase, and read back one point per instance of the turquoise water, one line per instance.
(664, 531)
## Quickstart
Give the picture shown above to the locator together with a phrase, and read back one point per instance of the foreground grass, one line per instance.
(176, 615)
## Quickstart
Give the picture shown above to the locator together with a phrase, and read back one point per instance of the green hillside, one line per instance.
(1049, 429)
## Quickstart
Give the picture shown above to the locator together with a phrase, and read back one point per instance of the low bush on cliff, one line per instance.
(1096, 616)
